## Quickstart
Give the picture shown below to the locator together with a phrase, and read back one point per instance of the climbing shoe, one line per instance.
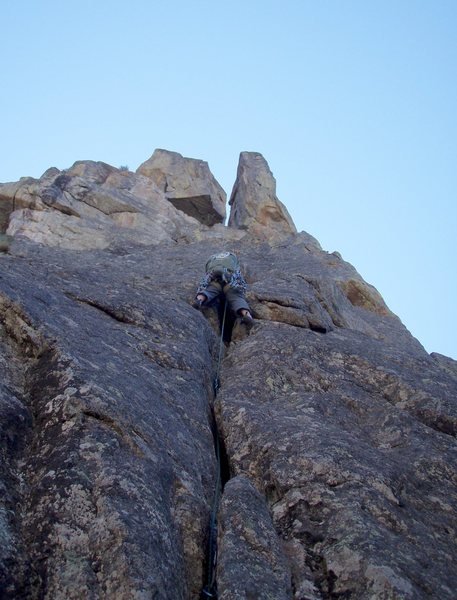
(247, 320)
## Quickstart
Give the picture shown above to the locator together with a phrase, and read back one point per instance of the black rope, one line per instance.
(210, 591)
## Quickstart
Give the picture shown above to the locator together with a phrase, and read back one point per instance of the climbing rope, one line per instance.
(217, 383)
(209, 591)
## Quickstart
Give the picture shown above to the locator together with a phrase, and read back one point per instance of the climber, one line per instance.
(223, 278)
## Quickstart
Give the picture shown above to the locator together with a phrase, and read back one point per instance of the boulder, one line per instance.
(188, 184)
(255, 206)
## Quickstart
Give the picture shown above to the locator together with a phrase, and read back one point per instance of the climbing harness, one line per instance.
(210, 591)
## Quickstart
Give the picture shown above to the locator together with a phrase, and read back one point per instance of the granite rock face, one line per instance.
(338, 429)
(351, 439)
(188, 184)
(251, 556)
(106, 421)
(254, 203)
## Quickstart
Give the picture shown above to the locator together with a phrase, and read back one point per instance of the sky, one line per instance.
(352, 103)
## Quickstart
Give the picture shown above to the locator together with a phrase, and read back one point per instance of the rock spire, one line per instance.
(255, 206)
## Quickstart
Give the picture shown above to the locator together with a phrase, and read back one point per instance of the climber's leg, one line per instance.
(236, 301)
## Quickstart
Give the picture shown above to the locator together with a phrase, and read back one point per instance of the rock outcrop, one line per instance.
(254, 203)
(337, 427)
(93, 205)
(188, 184)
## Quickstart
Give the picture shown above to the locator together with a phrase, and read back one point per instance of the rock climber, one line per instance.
(223, 278)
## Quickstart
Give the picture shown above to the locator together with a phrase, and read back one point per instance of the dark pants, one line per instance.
(234, 298)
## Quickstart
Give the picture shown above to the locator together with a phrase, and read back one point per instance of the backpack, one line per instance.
(220, 264)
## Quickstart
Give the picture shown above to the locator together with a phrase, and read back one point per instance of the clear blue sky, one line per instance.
(352, 103)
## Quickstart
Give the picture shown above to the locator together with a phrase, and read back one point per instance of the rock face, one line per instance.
(254, 203)
(251, 557)
(338, 429)
(188, 184)
(348, 434)
(105, 418)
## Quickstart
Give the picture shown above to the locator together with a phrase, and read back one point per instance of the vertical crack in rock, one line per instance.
(251, 559)
(210, 583)
(222, 326)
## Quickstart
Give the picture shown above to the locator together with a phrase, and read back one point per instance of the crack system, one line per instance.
(117, 315)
